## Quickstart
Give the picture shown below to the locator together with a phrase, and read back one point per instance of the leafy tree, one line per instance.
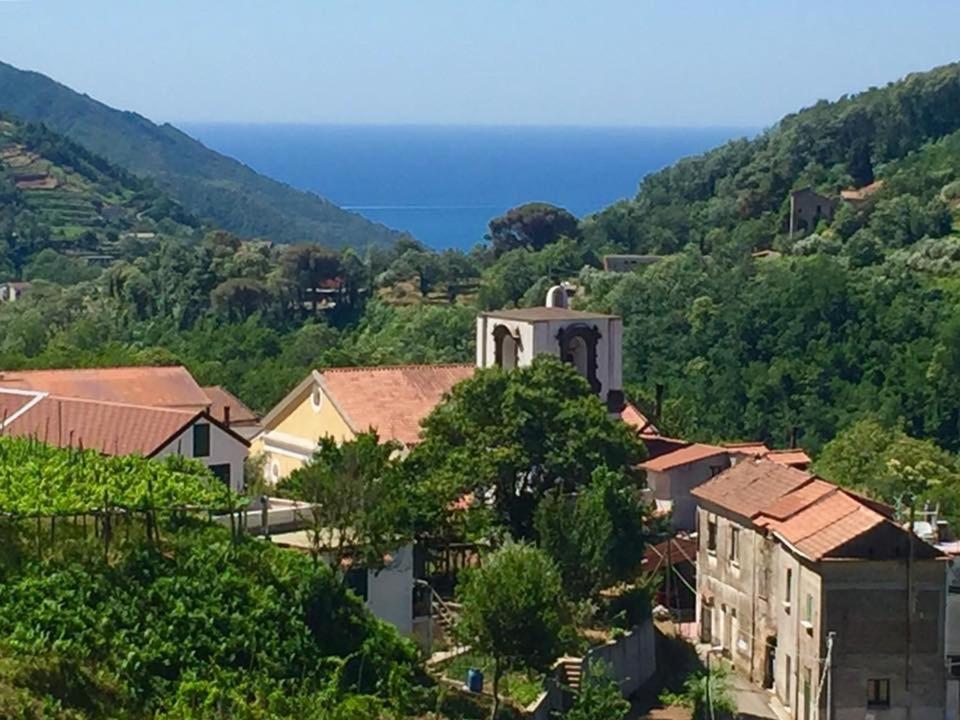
(533, 226)
(358, 510)
(595, 538)
(892, 466)
(515, 435)
(238, 298)
(599, 697)
(513, 611)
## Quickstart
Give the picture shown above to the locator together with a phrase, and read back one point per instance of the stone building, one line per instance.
(814, 592)
(807, 208)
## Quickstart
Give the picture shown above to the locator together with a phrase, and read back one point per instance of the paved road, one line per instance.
(752, 702)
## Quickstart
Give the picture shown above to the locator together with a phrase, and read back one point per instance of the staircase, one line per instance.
(570, 672)
(445, 613)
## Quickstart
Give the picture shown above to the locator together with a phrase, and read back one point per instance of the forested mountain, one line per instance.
(739, 191)
(213, 187)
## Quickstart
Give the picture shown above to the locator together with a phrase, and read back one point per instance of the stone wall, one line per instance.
(630, 659)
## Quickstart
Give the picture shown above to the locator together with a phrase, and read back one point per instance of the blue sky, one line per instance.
(599, 62)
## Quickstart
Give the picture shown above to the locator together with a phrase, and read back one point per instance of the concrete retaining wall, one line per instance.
(630, 659)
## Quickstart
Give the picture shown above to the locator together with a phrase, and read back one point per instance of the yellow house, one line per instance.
(342, 402)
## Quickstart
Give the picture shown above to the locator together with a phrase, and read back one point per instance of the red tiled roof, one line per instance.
(632, 416)
(392, 400)
(683, 456)
(795, 458)
(12, 402)
(817, 518)
(750, 486)
(170, 387)
(758, 449)
(111, 428)
(221, 398)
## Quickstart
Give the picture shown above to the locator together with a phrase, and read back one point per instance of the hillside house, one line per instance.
(805, 584)
(13, 291)
(342, 402)
(148, 411)
(807, 208)
(675, 467)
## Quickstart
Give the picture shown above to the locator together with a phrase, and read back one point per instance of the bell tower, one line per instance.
(591, 342)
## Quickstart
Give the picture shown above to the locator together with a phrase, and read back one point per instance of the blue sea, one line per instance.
(444, 183)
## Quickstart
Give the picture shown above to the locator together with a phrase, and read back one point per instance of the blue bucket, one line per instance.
(474, 680)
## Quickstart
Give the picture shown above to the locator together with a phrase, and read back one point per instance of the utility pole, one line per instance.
(909, 614)
(830, 638)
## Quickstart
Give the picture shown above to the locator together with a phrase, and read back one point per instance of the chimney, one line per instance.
(658, 403)
(226, 415)
(794, 433)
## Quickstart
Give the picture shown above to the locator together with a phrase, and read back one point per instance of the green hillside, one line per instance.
(210, 185)
(739, 192)
(57, 196)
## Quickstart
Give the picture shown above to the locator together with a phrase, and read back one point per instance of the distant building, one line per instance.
(628, 263)
(806, 586)
(671, 478)
(13, 291)
(857, 196)
(807, 208)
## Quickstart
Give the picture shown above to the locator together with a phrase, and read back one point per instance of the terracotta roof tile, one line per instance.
(221, 398)
(12, 402)
(111, 428)
(171, 387)
(392, 400)
(683, 456)
(750, 486)
(632, 416)
(817, 518)
(794, 458)
(802, 497)
(757, 449)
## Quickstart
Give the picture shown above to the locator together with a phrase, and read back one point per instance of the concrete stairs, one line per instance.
(570, 672)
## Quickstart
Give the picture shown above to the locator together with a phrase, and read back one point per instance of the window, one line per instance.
(201, 440)
(788, 593)
(788, 675)
(878, 693)
(356, 580)
(222, 473)
(808, 613)
(735, 545)
(316, 399)
(807, 684)
(711, 534)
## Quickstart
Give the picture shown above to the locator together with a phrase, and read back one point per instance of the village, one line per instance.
(811, 600)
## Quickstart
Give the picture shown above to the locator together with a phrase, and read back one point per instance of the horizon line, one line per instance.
(464, 125)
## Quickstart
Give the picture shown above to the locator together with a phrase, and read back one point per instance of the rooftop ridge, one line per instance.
(31, 371)
(382, 368)
(113, 403)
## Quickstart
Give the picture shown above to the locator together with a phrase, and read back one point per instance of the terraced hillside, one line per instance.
(54, 192)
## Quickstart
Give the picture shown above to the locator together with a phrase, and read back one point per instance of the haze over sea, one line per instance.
(444, 183)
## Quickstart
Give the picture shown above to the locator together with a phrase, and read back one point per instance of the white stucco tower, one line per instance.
(591, 342)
